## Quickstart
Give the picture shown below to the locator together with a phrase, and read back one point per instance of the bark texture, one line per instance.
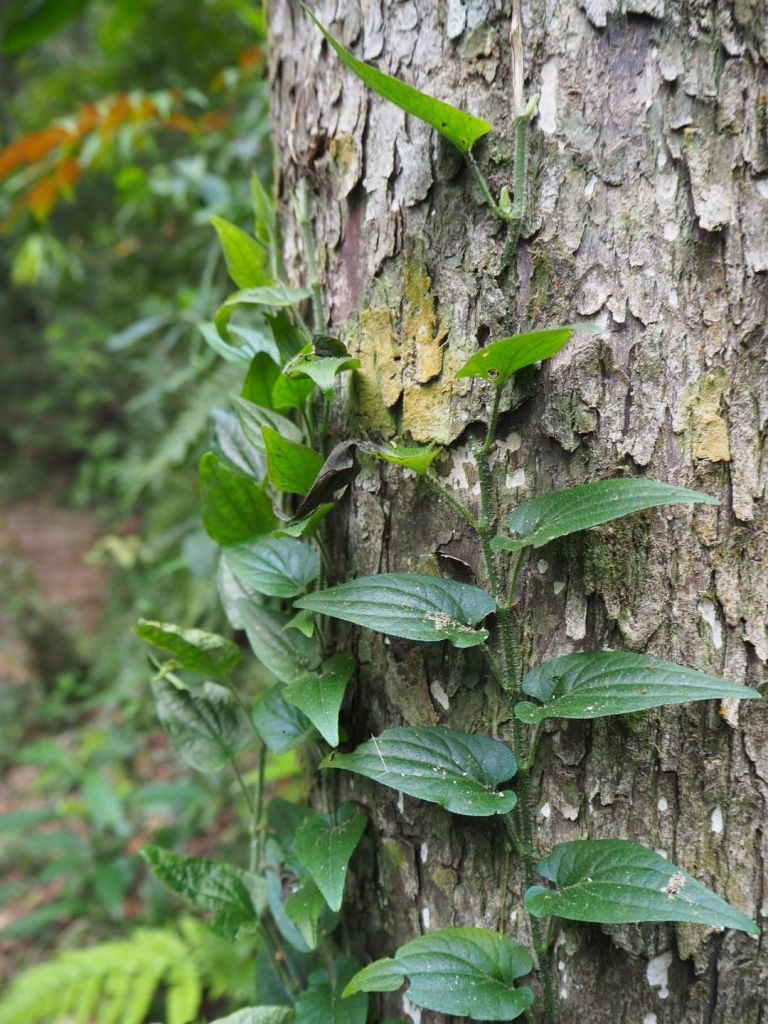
(648, 211)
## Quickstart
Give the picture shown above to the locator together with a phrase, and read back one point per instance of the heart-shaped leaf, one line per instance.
(253, 417)
(288, 654)
(236, 897)
(453, 769)
(613, 881)
(291, 392)
(206, 729)
(409, 605)
(304, 907)
(599, 683)
(320, 361)
(281, 726)
(468, 972)
(461, 129)
(233, 507)
(303, 526)
(193, 649)
(246, 260)
(320, 696)
(277, 567)
(259, 1015)
(291, 467)
(325, 848)
(541, 520)
(499, 360)
(275, 296)
(263, 371)
(322, 1002)
(413, 457)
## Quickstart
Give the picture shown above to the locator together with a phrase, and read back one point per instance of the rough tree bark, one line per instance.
(648, 212)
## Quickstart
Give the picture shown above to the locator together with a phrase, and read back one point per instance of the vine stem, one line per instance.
(485, 189)
(453, 502)
(511, 668)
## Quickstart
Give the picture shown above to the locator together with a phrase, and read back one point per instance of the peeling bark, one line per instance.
(648, 211)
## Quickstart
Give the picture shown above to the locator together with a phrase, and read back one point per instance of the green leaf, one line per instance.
(304, 622)
(288, 338)
(599, 683)
(304, 908)
(30, 21)
(236, 897)
(613, 881)
(291, 467)
(233, 507)
(206, 729)
(291, 392)
(280, 725)
(499, 360)
(541, 520)
(263, 371)
(259, 1015)
(468, 972)
(322, 1001)
(288, 654)
(263, 214)
(320, 696)
(322, 371)
(409, 605)
(246, 260)
(275, 296)
(453, 769)
(325, 849)
(461, 129)
(414, 457)
(277, 567)
(253, 417)
(305, 526)
(193, 649)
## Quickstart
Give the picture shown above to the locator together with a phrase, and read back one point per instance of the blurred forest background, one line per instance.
(124, 125)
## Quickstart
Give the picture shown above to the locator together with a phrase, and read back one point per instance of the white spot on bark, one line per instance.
(400, 803)
(673, 299)
(411, 1011)
(589, 188)
(662, 804)
(426, 917)
(423, 852)
(716, 818)
(456, 18)
(542, 566)
(439, 695)
(729, 709)
(516, 479)
(650, 1018)
(671, 231)
(708, 612)
(657, 973)
(558, 586)
(548, 98)
(545, 811)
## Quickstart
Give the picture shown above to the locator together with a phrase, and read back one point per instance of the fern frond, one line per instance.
(112, 983)
(189, 426)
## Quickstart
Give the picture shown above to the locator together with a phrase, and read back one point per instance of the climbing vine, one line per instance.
(265, 500)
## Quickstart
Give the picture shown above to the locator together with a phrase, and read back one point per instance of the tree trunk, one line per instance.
(648, 211)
